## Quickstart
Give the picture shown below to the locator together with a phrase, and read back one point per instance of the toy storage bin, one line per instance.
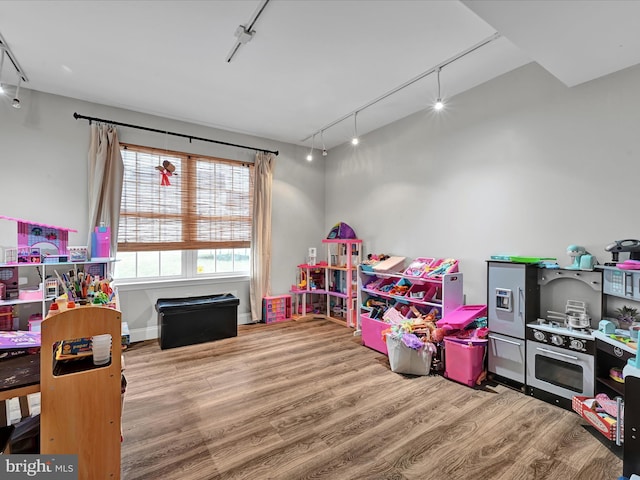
(464, 360)
(372, 333)
(380, 284)
(418, 267)
(462, 316)
(403, 359)
(437, 270)
(401, 288)
(423, 292)
(31, 294)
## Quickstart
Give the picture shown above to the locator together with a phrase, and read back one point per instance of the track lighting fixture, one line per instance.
(324, 149)
(354, 140)
(1, 65)
(439, 105)
(16, 99)
(5, 51)
(310, 156)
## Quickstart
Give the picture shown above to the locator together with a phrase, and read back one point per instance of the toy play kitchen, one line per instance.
(540, 322)
(560, 343)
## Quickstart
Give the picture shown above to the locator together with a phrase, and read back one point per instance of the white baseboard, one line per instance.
(151, 333)
(244, 319)
(140, 334)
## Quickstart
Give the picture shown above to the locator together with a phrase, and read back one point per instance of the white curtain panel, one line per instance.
(105, 181)
(260, 282)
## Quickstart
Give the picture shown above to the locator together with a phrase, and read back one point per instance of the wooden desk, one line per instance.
(19, 377)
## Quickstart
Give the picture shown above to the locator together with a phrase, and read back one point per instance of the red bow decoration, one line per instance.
(167, 169)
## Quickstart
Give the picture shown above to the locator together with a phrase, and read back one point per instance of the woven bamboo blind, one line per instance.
(208, 203)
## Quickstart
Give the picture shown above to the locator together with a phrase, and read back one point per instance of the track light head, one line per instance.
(16, 99)
(354, 140)
(310, 156)
(439, 105)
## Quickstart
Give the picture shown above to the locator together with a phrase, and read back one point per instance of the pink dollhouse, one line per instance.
(36, 241)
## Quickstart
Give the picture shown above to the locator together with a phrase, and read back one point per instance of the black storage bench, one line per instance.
(187, 321)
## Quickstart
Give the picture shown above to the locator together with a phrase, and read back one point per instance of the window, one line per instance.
(199, 224)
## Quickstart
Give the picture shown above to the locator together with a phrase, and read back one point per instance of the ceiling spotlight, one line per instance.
(354, 140)
(324, 149)
(439, 105)
(16, 99)
(310, 156)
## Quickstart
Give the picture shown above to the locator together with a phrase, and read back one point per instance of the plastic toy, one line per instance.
(341, 230)
(582, 260)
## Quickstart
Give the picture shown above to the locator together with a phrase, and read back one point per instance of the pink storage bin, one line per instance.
(31, 295)
(422, 292)
(463, 362)
(462, 316)
(380, 285)
(34, 322)
(417, 267)
(439, 268)
(372, 334)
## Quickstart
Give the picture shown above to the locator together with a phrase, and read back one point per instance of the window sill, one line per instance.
(140, 284)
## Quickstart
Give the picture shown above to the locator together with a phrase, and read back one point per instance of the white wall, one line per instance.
(519, 165)
(43, 158)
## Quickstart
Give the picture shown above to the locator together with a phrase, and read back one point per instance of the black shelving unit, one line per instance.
(609, 356)
(631, 447)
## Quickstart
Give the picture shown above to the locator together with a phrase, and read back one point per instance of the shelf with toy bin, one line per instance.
(31, 273)
(616, 337)
(343, 257)
(328, 288)
(428, 286)
(309, 288)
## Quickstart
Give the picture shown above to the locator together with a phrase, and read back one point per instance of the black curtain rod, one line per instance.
(77, 116)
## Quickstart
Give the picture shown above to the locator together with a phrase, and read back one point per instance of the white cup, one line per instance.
(101, 347)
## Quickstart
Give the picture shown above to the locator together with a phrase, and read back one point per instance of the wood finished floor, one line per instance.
(304, 400)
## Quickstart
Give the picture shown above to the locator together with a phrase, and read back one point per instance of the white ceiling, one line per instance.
(310, 62)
